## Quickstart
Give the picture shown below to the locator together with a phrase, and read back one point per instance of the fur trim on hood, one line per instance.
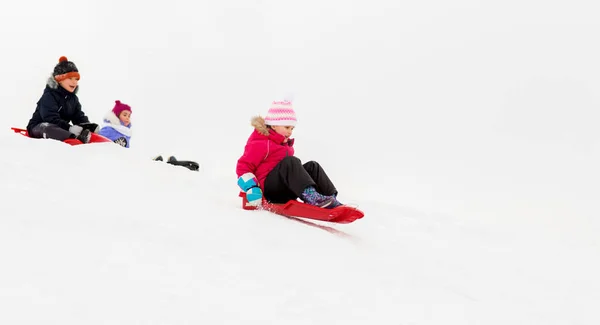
(52, 83)
(111, 118)
(258, 122)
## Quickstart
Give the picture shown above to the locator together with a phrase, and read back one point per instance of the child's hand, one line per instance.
(249, 184)
(75, 129)
(92, 127)
(121, 141)
(254, 196)
(247, 181)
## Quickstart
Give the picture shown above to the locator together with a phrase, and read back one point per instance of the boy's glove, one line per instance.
(75, 129)
(85, 136)
(92, 127)
(249, 184)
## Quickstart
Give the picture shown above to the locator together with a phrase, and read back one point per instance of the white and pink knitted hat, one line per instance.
(281, 113)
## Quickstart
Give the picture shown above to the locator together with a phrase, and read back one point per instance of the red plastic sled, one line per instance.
(294, 208)
(96, 138)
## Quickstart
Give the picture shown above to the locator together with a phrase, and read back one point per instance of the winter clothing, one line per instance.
(113, 129)
(85, 136)
(50, 131)
(57, 106)
(281, 113)
(65, 69)
(247, 181)
(323, 184)
(290, 180)
(270, 163)
(264, 150)
(249, 184)
(75, 129)
(120, 107)
(312, 197)
(254, 196)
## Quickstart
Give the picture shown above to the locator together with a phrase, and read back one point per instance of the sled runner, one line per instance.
(294, 208)
(96, 138)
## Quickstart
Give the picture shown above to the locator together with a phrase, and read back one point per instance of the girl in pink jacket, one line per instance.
(268, 166)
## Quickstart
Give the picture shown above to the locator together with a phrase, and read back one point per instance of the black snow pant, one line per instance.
(289, 178)
(50, 131)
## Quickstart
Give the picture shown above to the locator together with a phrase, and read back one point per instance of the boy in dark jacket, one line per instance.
(59, 106)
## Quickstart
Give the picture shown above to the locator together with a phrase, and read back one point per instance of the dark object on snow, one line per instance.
(92, 127)
(191, 165)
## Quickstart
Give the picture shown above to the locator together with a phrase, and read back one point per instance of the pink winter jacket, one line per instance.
(263, 151)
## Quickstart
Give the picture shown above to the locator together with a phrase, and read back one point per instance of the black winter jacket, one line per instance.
(57, 106)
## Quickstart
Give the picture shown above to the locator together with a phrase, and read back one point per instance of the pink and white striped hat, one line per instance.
(281, 113)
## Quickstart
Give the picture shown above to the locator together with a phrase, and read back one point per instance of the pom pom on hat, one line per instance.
(62, 59)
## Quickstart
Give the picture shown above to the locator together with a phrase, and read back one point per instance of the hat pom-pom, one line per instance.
(289, 97)
(117, 102)
(63, 59)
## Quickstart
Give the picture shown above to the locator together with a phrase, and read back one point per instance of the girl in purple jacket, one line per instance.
(268, 165)
(117, 124)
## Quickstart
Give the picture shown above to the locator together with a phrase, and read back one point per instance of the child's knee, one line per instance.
(311, 165)
(291, 160)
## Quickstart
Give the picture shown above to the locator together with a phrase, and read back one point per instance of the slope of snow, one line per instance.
(467, 132)
(94, 234)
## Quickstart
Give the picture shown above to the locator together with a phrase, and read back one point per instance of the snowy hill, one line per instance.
(168, 246)
(467, 133)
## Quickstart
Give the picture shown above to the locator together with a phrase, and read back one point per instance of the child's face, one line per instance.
(125, 117)
(285, 130)
(69, 84)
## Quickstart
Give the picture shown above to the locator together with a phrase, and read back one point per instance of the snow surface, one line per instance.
(466, 130)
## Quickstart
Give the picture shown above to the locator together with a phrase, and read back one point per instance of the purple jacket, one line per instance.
(114, 129)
